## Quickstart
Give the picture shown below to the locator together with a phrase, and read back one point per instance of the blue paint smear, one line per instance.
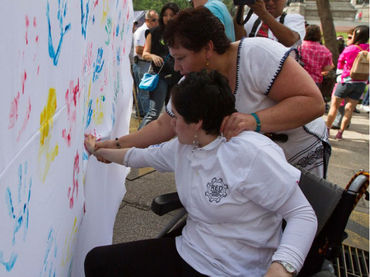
(9, 265)
(84, 17)
(62, 11)
(113, 115)
(85, 156)
(98, 65)
(49, 266)
(118, 56)
(89, 114)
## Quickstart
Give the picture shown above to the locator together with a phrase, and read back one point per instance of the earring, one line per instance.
(195, 142)
(207, 63)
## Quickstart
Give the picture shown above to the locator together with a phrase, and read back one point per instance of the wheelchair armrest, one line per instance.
(165, 203)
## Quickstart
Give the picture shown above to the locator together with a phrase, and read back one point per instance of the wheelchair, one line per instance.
(333, 206)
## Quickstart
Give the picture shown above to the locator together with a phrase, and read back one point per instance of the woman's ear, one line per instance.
(198, 126)
(209, 49)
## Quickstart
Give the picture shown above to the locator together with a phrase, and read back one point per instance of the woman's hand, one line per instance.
(157, 60)
(259, 8)
(104, 144)
(90, 144)
(235, 123)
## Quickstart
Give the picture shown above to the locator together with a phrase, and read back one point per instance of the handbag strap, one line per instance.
(164, 61)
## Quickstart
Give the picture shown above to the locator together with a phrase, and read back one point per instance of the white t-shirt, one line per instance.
(236, 194)
(139, 38)
(259, 63)
(294, 22)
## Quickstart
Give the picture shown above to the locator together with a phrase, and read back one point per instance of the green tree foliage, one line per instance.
(157, 5)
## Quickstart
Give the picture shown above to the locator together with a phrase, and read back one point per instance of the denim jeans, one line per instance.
(156, 101)
(142, 96)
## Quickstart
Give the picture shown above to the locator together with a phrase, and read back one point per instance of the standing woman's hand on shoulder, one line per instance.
(236, 123)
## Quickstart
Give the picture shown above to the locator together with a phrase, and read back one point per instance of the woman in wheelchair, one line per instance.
(236, 193)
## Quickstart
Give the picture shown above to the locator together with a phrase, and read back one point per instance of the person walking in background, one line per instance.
(338, 119)
(156, 51)
(349, 89)
(317, 58)
(140, 66)
(267, 19)
(219, 9)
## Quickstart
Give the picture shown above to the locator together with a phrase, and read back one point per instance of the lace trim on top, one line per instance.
(237, 66)
(282, 61)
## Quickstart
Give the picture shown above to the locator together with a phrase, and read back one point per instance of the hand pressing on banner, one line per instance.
(104, 154)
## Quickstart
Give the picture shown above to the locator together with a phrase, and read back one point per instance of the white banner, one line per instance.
(64, 71)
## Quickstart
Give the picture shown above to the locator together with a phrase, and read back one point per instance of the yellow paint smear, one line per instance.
(46, 116)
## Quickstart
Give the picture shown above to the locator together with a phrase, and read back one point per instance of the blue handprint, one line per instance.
(62, 11)
(18, 209)
(84, 17)
(98, 65)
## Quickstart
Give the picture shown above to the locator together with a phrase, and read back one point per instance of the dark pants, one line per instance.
(154, 257)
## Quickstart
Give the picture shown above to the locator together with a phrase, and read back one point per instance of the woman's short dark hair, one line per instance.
(204, 96)
(171, 6)
(313, 33)
(193, 28)
(361, 34)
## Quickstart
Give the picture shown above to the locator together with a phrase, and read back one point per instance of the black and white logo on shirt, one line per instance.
(216, 190)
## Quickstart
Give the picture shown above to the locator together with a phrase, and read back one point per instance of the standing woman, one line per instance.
(317, 58)
(347, 88)
(274, 94)
(156, 51)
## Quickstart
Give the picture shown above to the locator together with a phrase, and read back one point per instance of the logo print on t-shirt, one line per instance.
(216, 189)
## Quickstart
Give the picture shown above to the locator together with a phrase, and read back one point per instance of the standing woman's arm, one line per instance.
(147, 55)
(298, 102)
(298, 98)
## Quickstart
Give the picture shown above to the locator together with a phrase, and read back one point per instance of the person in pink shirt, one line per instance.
(317, 58)
(349, 89)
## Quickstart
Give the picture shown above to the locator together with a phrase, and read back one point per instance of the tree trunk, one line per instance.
(330, 36)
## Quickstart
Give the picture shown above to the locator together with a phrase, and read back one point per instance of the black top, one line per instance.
(159, 48)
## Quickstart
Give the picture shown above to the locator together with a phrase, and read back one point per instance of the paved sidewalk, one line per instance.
(135, 221)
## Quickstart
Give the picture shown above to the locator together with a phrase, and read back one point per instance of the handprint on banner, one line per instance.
(87, 60)
(71, 98)
(98, 113)
(18, 209)
(68, 243)
(20, 107)
(61, 14)
(49, 262)
(73, 191)
(98, 64)
(115, 98)
(108, 30)
(46, 127)
(105, 11)
(84, 17)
